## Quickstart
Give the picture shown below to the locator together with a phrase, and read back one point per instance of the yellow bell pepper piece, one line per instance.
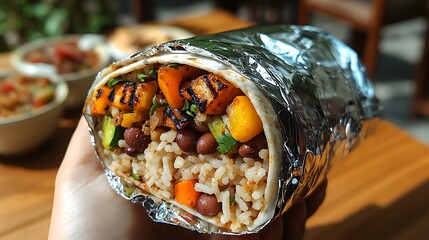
(244, 122)
(128, 119)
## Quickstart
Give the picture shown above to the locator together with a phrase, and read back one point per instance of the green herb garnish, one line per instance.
(231, 200)
(142, 77)
(135, 176)
(114, 81)
(191, 110)
(226, 142)
(153, 73)
(174, 65)
(128, 191)
(156, 105)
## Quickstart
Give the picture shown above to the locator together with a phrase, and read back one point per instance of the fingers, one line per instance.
(80, 150)
(80, 161)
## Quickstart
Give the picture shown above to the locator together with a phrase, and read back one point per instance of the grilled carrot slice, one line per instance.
(169, 79)
(100, 101)
(133, 95)
(212, 93)
(185, 193)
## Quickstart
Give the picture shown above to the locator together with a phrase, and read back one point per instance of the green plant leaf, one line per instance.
(55, 24)
(41, 10)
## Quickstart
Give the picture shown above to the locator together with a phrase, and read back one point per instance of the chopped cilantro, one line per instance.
(153, 73)
(128, 191)
(231, 200)
(226, 142)
(174, 65)
(114, 81)
(191, 110)
(185, 105)
(156, 105)
(142, 77)
(135, 176)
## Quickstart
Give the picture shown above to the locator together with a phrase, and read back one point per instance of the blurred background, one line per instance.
(389, 35)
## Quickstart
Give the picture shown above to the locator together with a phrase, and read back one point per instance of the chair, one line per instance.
(263, 12)
(421, 90)
(366, 18)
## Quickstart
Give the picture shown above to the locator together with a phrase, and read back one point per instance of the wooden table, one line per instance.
(381, 190)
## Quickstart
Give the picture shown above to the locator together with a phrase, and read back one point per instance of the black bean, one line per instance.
(252, 147)
(186, 139)
(135, 138)
(200, 127)
(131, 151)
(247, 151)
(208, 205)
(206, 144)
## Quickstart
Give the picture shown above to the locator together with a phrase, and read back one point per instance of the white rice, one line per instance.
(238, 184)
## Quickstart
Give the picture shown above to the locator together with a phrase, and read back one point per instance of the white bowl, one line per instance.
(78, 82)
(22, 133)
(122, 41)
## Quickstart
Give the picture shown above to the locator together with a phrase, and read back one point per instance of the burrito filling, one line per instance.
(187, 136)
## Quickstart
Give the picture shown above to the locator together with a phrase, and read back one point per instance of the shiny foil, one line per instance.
(318, 88)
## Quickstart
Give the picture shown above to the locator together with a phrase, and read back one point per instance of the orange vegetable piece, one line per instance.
(132, 95)
(213, 93)
(100, 101)
(244, 122)
(185, 193)
(145, 93)
(128, 119)
(169, 79)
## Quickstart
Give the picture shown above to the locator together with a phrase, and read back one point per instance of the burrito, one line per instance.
(216, 133)
(191, 132)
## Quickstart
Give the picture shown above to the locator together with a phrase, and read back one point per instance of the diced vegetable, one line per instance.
(111, 133)
(217, 127)
(132, 95)
(114, 81)
(135, 176)
(175, 118)
(211, 93)
(128, 119)
(169, 79)
(227, 144)
(185, 193)
(244, 122)
(145, 93)
(100, 101)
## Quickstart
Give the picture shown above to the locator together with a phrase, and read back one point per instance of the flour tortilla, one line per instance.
(261, 103)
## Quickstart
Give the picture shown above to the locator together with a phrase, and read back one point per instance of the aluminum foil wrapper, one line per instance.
(318, 88)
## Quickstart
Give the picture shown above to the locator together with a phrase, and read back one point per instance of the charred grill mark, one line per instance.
(220, 85)
(133, 96)
(178, 118)
(111, 96)
(99, 92)
(201, 104)
(210, 86)
(131, 88)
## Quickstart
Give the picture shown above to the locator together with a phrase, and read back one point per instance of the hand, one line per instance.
(86, 207)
